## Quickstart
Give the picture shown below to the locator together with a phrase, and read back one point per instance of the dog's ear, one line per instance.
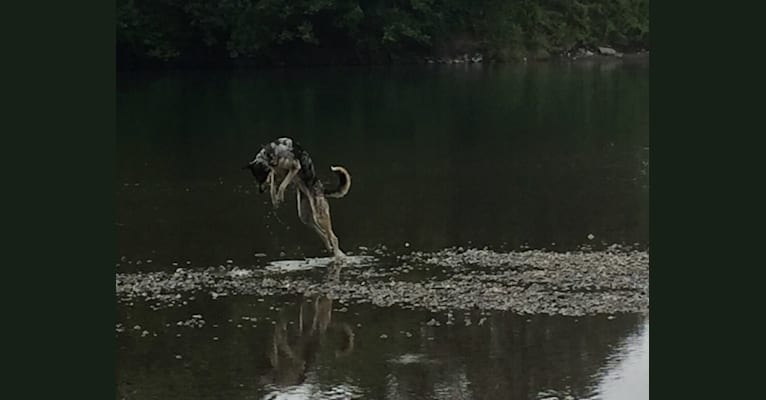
(250, 165)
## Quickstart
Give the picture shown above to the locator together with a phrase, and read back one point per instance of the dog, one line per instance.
(286, 162)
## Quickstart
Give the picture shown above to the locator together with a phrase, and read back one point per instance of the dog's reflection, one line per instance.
(294, 348)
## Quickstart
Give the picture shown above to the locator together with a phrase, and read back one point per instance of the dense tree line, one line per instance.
(369, 31)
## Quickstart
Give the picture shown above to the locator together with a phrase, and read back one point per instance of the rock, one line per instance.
(607, 51)
(573, 283)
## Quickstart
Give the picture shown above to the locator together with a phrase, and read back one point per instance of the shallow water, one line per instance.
(522, 155)
(253, 347)
(548, 157)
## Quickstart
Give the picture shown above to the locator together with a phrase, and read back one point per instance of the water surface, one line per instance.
(253, 348)
(538, 155)
(550, 156)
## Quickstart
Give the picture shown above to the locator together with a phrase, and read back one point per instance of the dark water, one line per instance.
(508, 157)
(538, 155)
(251, 348)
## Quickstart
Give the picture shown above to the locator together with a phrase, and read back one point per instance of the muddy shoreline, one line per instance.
(528, 282)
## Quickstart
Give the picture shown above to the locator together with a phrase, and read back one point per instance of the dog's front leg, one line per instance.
(272, 189)
(296, 167)
(298, 201)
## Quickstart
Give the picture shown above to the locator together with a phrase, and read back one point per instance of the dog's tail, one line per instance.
(344, 183)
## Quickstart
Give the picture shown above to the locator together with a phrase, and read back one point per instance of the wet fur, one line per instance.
(283, 162)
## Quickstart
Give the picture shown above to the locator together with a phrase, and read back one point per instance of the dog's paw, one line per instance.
(279, 199)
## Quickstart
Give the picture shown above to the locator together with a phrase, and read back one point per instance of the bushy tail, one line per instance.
(343, 186)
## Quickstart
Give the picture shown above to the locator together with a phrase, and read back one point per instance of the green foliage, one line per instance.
(198, 30)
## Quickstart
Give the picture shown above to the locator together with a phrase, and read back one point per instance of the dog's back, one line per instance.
(271, 156)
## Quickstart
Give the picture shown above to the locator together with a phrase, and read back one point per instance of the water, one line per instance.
(545, 156)
(251, 347)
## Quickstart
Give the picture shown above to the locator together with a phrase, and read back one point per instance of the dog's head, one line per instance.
(260, 172)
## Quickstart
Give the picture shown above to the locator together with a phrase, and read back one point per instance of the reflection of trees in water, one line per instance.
(512, 358)
(505, 357)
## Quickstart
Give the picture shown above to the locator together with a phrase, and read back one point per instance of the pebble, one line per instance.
(573, 283)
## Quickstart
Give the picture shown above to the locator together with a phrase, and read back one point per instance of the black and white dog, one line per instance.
(285, 159)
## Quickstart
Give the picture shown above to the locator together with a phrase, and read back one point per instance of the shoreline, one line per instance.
(528, 283)
(572, 56)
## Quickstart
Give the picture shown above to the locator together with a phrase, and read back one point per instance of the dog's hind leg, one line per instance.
(322, 219)
(319, 206)
(306, 215)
